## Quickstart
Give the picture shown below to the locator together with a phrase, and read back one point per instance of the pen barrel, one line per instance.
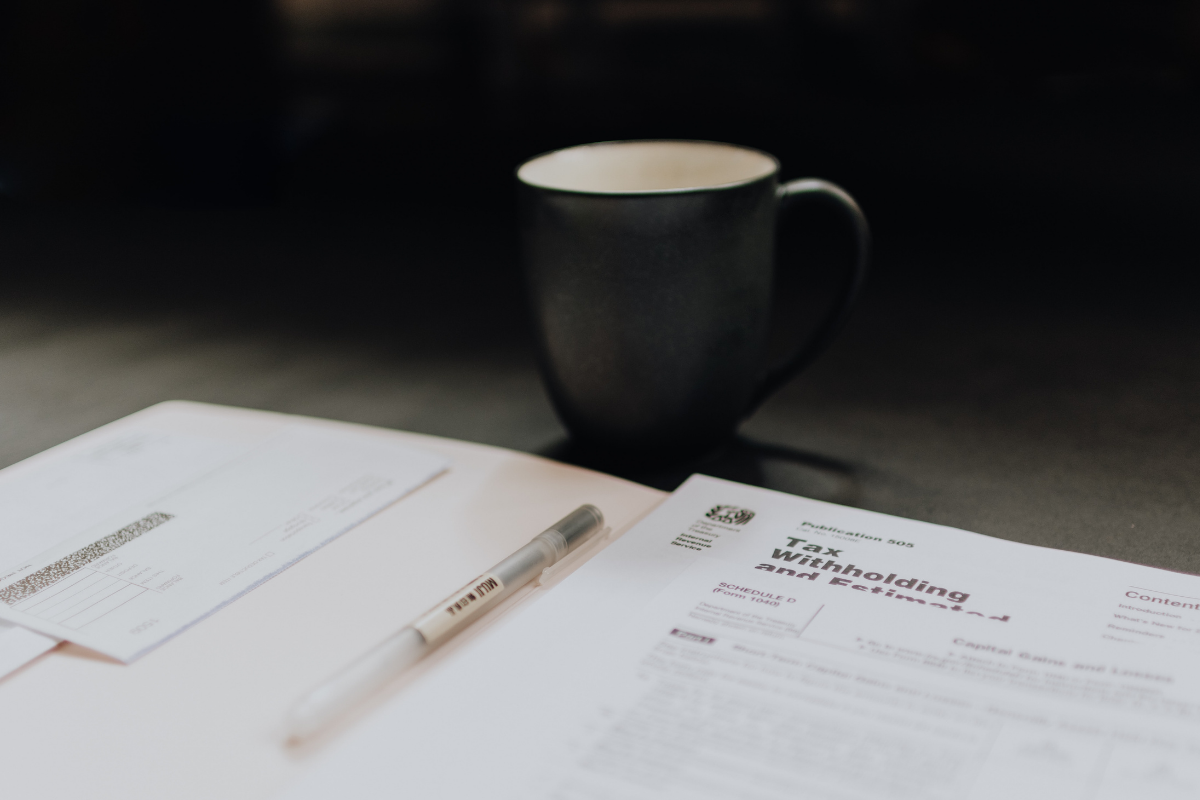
(464, 606)
(356, 682)
(546, 549)
(373, 670)
(525, 564)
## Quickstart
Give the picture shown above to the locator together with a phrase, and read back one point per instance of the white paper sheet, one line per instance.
(50, 496)
(122, 538)
(19, 646)
(707, 655)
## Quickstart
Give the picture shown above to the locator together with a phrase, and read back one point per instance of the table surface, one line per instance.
(966, 391)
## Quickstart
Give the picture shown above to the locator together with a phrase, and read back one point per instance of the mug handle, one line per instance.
(832, 325)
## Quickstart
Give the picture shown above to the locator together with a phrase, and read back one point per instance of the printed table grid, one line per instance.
(81, 598)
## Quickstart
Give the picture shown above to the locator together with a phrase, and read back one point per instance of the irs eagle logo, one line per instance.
(730, 515)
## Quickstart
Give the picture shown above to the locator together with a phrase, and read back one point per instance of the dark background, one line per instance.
(308, 207)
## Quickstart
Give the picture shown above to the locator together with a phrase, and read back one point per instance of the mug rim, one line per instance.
(642, 192)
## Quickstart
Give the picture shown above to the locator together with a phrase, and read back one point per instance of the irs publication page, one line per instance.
(741, 643)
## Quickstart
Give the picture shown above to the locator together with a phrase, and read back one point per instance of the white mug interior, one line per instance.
(646, 166)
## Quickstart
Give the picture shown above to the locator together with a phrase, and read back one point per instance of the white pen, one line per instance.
(378, 666)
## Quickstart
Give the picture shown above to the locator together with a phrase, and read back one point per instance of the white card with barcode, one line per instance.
(131, 579)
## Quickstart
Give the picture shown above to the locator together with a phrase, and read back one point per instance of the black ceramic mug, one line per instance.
(649, 267)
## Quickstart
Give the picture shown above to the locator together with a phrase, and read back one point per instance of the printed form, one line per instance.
(123, 537)
(741, 643)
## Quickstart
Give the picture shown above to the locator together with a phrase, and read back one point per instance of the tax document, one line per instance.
(125, 536)
(741, 643)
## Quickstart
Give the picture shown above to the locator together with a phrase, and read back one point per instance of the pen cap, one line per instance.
(578, 525)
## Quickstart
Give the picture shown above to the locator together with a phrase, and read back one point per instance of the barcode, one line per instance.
(46, 576)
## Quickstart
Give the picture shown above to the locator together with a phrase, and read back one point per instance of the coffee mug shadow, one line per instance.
(771, 466)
